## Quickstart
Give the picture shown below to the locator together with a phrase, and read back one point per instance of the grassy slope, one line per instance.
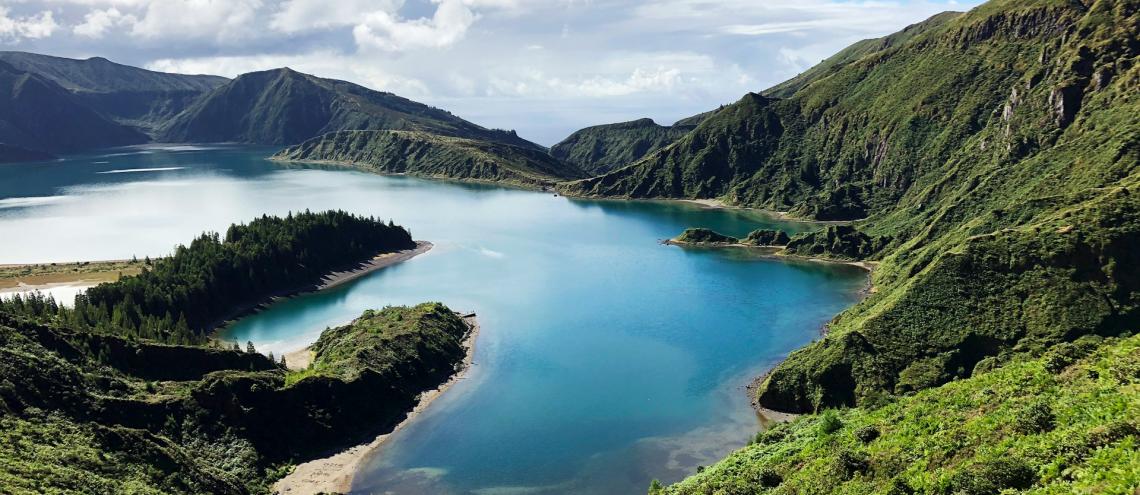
(600, 149)
(1045, 426)
(854, 53)
(994, 155)
(85, 413)
(381, 342)
(424, 154)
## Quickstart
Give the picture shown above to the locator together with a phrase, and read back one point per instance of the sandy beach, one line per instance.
(334, 279)
(334, 474)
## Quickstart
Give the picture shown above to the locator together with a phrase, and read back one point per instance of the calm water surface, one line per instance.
(606, 359)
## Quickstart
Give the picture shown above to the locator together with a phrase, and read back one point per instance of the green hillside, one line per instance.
(95, 414)
(993, 155)
(856, 52)
(128, 95)
(604, 148)
(38, 116)
(101, 406)
(430, 155)
(1064, 424)
(286, 107)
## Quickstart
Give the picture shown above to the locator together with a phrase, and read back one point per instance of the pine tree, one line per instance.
(249, 347)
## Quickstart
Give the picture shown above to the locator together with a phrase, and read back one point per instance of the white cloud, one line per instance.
(327, 64)
(36, 26)
(387, 31)
(220, 20)
(97, 22)
(308, 15)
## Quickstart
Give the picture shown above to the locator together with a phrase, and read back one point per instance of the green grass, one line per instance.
(387, 340)
(1065, 423)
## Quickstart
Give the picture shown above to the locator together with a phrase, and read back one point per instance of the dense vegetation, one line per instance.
(1068, 422)
(385, 343)
(283, 106)
(179, 298)
(432, 155)
(994, 157)
(82, 412)
(757, 238)
(604, 148)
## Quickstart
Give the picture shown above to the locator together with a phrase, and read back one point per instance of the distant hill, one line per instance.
(285, 107)
(38, 115)
(604, 148)
(432, 155)
(10, 154)
(129, 95)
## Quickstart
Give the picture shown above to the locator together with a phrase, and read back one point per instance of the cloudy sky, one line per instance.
(543, 67)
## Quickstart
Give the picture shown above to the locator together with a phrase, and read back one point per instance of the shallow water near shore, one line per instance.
(605, 359)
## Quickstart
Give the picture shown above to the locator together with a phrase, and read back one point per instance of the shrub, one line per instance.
(1035, 418)
(849, 463)
(829, 422)
(993, 476)
(900, 487)
(867, 434)
(769, 478)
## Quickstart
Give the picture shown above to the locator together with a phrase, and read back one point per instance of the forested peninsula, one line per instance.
(125, 394)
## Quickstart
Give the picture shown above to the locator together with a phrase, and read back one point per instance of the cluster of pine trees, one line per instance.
(178, 299)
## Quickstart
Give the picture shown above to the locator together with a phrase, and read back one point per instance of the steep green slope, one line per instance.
(128, 95)
(855, 52)
(600, 149)
(283, 106)
(994, 154)
(82, 412)
(38, 115)
(430, 155)
(1066, 423)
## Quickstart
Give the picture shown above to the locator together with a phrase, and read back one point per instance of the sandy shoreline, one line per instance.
(334, 474)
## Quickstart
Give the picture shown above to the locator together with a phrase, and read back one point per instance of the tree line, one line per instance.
(178, 299)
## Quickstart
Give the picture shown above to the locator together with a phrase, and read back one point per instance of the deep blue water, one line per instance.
(605, 360)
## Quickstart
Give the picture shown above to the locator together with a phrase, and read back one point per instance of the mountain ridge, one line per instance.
(286, 107)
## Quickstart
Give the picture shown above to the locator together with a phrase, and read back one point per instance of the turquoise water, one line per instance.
(605, 360)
